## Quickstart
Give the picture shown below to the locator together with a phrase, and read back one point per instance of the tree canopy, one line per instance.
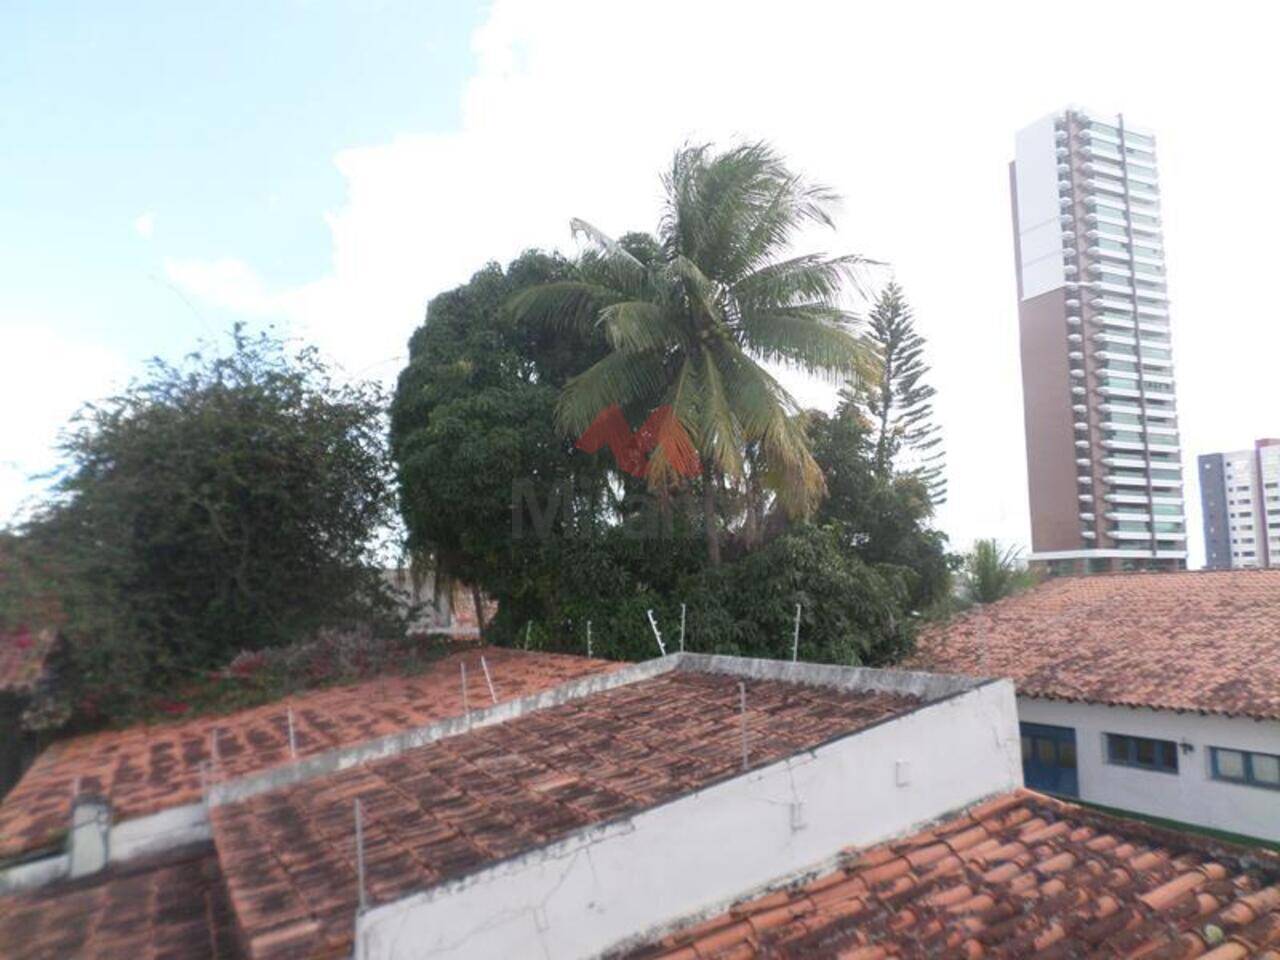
(231, 502)
(689, 319)
(899, 400)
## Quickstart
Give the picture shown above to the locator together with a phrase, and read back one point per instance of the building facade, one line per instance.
(1240, 497)
(1104, 464)
(1146, 692)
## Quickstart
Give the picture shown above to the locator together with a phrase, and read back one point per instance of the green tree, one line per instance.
(228, 503)
(883, 519)
(473, 436)
(689, 320)
(992, 572)
(899, 401)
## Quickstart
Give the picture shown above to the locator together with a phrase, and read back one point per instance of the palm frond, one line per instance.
(622, 377)
(563, 305)
(640, 325)
(814, 337)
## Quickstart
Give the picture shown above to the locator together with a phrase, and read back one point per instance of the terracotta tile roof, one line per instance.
(143, 769)
(1202, 641)
(22, 657)
(449, 808)
(1020, 876)
(171, 907)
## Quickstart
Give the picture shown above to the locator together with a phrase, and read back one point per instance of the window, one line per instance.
(1147, 754)
(1245, 766)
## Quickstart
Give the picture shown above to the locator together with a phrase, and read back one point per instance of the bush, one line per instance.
(230, 503)
(851, 612)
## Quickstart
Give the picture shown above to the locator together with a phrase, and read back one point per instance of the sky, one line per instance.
(326, 166)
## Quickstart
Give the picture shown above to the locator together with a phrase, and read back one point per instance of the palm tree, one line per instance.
(690, 318)
(992, 573)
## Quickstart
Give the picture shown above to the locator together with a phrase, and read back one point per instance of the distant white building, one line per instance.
(1152, 693)
(1240, 496)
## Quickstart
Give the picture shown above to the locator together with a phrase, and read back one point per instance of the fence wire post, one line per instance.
(488, 679)
(589, 638)
(662, 647)
(742, 706)
(364, 900)
(682, 628)
(293, 740)
(795, 639)
(466, 704)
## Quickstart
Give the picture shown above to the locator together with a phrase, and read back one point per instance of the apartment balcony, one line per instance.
(1088, 534)
(1126, 516)
(1116, 480)
(1119, 392)
(1116, 356)
(1066, 219)
(1085, 498)
(1074, 338)
(1088, 517)
(1147, 229)
(1097, 185)
(1079, 391)
(1132, 498)
(1090, 135)
(1110, 303)
(1117, 255)
(1126, 463)
(1130, 445)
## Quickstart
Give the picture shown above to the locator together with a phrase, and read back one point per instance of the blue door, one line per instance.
(1049, 759)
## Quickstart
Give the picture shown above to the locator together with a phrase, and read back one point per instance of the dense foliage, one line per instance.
(900, 401)
(688, 321)
(492, 494)
(230, 503)
(992, 572)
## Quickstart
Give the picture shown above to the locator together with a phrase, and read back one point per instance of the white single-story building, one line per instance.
(1157, 693)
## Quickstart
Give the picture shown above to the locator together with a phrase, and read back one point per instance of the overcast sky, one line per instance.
(330, 166)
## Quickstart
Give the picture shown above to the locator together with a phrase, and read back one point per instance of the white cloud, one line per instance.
(38, 403)
(145, 225)
(909, 109)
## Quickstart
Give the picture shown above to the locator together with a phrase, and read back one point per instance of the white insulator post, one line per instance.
(657, 635)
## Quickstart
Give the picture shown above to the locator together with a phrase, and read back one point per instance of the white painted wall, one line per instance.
(693, 856)
(1039, 229)
(1191, 795)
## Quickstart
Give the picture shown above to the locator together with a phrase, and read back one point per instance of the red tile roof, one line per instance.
(144, 769)
(1021, 876)
(1203, 641)
(173, 907)
(458, 804)
(22, 658)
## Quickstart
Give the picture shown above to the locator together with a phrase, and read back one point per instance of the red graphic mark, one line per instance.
(660, 436)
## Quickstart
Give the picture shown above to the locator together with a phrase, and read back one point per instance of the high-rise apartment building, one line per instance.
(1103, 462)
(1240, 497)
